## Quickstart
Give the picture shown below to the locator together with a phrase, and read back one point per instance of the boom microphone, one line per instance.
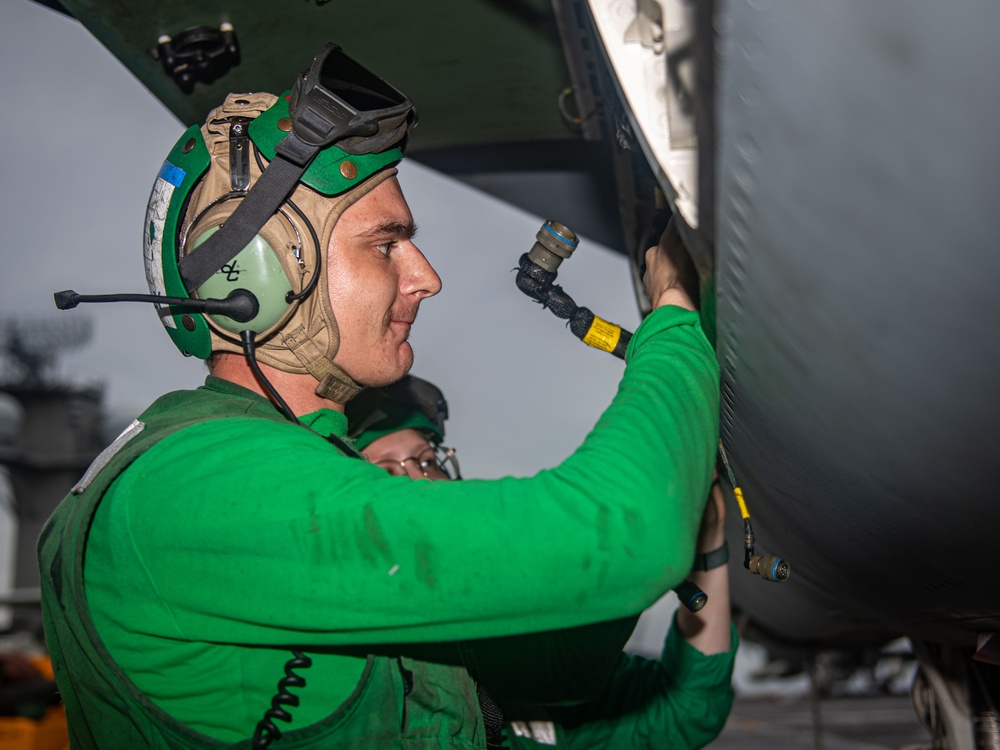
(240, 305)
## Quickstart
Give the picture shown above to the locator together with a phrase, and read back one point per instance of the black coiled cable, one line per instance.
(266, 731)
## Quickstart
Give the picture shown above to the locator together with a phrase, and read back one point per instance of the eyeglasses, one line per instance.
(430, 463)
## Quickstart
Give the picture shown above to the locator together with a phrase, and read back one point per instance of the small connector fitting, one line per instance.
(554, 243)
(690, 595)
(770, 567)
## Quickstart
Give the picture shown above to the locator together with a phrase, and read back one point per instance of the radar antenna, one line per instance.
(33, 346)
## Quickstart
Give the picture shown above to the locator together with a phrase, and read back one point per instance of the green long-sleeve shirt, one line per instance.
(234, 538)
(677, 703)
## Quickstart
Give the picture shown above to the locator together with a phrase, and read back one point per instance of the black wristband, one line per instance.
(713, 559)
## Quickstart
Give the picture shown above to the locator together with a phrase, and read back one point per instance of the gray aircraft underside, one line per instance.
(856, 247)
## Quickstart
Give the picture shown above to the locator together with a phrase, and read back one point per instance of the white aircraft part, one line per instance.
(640, 43)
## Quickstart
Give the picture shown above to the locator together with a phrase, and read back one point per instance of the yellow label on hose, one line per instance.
(742, 503)
(603, 335)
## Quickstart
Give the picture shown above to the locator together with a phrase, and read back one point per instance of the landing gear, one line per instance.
(956, 698)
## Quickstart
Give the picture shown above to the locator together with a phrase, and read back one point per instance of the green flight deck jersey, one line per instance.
(679, 702)
(216, 538)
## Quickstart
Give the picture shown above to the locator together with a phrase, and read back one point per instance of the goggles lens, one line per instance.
(356, 86)
(338, 101)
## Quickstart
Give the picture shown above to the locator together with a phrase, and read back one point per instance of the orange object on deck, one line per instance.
(47, 733)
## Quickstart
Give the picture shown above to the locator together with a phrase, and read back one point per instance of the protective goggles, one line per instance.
(337, 102)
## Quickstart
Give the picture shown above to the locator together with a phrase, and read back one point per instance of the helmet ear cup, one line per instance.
(257, 269)
(277, 266)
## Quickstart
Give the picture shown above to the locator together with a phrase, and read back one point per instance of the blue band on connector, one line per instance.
(564, 239)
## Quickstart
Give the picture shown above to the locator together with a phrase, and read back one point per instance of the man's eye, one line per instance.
(385, 247)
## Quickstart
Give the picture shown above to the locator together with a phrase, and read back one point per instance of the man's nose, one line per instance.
(420, 278)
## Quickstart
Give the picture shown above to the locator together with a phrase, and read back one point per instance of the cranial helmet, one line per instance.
(410, 403)
(248, 201)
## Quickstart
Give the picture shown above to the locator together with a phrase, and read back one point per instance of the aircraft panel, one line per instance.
(479, 71)
(857, 321)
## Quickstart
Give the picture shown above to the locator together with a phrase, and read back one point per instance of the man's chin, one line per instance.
(390, 373)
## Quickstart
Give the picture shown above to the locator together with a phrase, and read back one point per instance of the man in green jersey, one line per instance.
(681, 701)
(400, 428)
(230, 572)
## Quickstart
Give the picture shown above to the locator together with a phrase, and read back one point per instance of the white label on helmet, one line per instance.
(170, 177)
